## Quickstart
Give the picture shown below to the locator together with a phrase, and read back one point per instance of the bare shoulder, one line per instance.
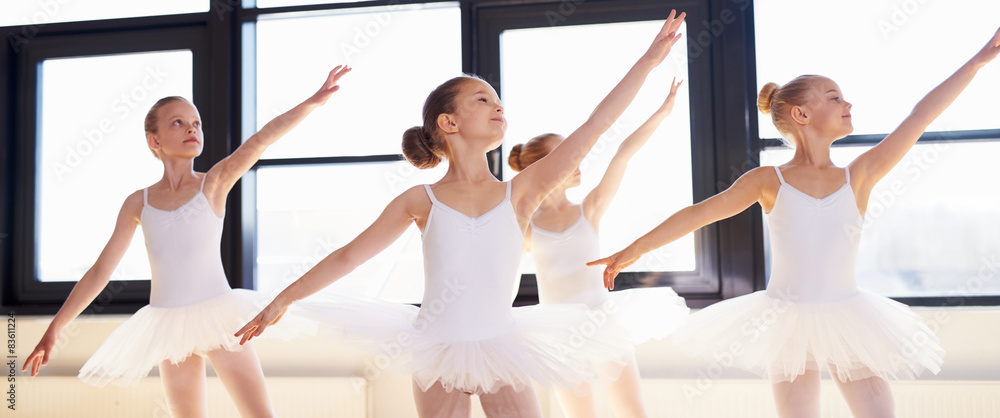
(415, 203)
(414, 195)
(761, 176)
(133, 205)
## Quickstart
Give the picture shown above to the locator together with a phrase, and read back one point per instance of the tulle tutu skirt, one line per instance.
(649, 313)
(859, 337)
(154, 334)
(557, 346)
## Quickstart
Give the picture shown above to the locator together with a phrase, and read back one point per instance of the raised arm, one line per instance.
(221, 178)
(536, 181)
(92, 282)
(389, 226)
(597, 201)
(874, 164)
(746, 191)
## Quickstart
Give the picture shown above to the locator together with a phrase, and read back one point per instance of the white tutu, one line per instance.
(862, 336)
(155, 334)
(557, 346)
(648, 313)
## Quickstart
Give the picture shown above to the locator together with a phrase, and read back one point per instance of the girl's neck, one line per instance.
(555, 201)
(176, 171)
(469, 169)
(812, 151)
(466, 165)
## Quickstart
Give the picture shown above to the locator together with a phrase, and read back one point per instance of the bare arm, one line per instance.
(597, 201)
(221, 178)
(389, 226)
(92, 282)
(874, 164)
(747, 190)
(536, 181)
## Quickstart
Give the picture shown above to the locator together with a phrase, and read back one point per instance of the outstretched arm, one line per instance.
(536, 181)
(389, 226)
(874, 164)
(92, 282)
(597, 201)
(746, 191)
(221, 178)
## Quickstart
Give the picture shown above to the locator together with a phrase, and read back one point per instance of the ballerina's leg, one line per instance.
(507, 402)
(625, 393)
(798, 398)
(867, 398)
(185, 387)
(439, 403)
(243, 378)
(575, 406)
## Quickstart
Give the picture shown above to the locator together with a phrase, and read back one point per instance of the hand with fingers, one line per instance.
(40, 356)
(267, 317)
(668, 36)
(668, 103)
(616, 263)
(330, 86)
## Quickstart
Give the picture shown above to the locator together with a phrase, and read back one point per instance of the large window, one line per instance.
(543, 71)
(75, 140)
(930, 230)
(91, 133)
(328, 179)
(550, 76)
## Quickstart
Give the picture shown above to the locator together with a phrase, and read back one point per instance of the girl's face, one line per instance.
(479, 115)
(828, 111)
(178, 131)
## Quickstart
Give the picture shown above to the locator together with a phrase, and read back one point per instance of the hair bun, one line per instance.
(418, 150)
(515, 158)
(766, 97)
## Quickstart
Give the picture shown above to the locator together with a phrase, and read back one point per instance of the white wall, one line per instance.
(317, 373)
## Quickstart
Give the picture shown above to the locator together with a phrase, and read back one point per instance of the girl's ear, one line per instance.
(799, 115)
(154, 144)
(447, 124)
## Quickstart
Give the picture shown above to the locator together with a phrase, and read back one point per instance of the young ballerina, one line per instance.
(812, 312)
(465, 338)
(562, 276)
(192, 311)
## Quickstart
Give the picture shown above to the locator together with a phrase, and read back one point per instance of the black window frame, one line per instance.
(196, 32)
(491, 21)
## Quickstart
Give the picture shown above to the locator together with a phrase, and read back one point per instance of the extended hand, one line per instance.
(668, 104)
(40, 356)
(615, 263)
(330, 86)
(666, 39)
(269, 316)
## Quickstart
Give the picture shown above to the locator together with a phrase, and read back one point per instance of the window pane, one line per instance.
(33, 13)
(399, 53)
(92, 154)
(305, 213)
(890, 56)
(557, 68)
(932, 224)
